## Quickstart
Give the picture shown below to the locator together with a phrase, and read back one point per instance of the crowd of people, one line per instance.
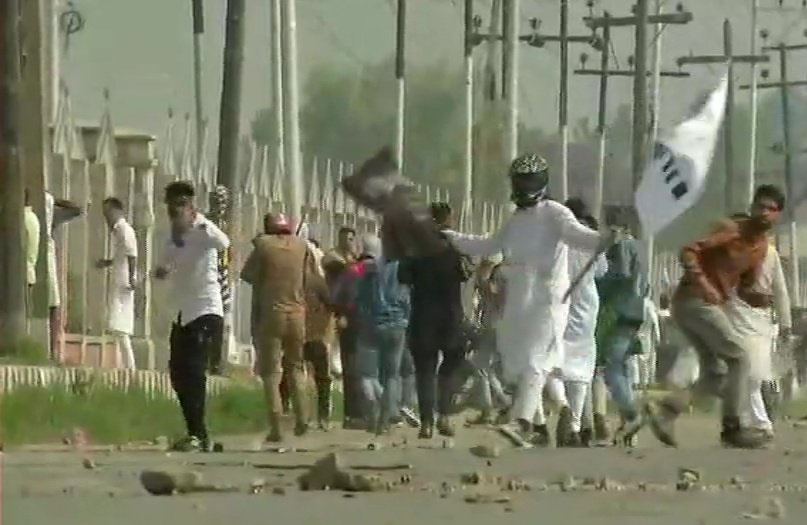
(551, 307)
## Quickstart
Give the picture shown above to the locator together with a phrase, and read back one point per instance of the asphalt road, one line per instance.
(605, 486)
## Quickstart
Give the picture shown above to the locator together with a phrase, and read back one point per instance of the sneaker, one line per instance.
(410, 417)
(540, 436)
(444, 426)
(517, 433)
(662, 422)
(300, 429)
(323, 425)
(563, 431)
(426, 430)
(744, 437)
(586, 436)
(191, 444)
(626, 434)
(351, 423)
(601, 432)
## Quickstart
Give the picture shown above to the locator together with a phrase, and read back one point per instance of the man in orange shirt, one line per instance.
(715, 267)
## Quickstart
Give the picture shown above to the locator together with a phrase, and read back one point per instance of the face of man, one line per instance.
(766, 211)
(181, 215)
(111, 214)
(347, 242)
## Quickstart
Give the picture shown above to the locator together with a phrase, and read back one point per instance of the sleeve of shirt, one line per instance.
(573, 232)
(781, 298)
(167, 254)
(125, 236)
(478, 245)
(214, 237)
(250, 271)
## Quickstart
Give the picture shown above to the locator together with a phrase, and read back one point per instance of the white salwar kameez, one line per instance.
(530, 334)
(120, 295)
(759, 328)
(584, 306)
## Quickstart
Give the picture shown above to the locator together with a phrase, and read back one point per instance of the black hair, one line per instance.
(346, 229)
(590, 221)
(179, 192)
(441, 211)
(27, 197)
(114, 203)
(769, 191)
(578, 207)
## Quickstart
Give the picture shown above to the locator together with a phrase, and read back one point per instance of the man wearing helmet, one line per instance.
(532, 240)
(279, 269)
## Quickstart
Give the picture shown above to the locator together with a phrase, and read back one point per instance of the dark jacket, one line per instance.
(436, 284)
(383, 302)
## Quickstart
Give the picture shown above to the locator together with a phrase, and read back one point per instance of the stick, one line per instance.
(579, 277)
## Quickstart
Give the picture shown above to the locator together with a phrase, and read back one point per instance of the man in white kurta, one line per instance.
(532, 240)
(122, 281)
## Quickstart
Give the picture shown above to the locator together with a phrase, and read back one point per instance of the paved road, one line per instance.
(55, 487)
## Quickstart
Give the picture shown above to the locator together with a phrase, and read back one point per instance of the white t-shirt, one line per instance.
(194, 269)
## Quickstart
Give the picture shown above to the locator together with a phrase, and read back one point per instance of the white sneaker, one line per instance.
(410, 417)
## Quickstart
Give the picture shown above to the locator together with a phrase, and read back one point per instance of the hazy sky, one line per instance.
(142, 51)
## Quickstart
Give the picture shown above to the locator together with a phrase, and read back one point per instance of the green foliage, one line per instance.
(25, 352)
(109, 415)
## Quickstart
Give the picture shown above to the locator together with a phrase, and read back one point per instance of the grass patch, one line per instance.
(26, 352)
(31, 415)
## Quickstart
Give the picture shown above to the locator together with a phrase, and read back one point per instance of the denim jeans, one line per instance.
(380, 355)
(617, 374)
(484, 360)
(408, 387)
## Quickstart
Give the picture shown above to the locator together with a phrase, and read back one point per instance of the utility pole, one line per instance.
(752, 149)
(12, 258)
(400, 64)
(468, 57)
(783, 85)
(229, 133)
(639, 21)
(277, 84)
(230, 112)
(605, 73)
(729, 58)
(198, 13)
(293, 163)
(538, 40)
(511, 10)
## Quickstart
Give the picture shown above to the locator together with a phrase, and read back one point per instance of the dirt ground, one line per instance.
(604, 486)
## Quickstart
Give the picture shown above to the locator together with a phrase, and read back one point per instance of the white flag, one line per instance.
(676, 176)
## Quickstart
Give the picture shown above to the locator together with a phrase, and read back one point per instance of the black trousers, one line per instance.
(351, 381)
(316, 353)
(191, 347)
(430, 335)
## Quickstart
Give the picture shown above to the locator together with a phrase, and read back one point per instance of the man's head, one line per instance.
(529, 178)
(112, 207)
(768, 205)
(442, 214)
(277, 224)
(370, 246)
(347, 239)
(179, 203)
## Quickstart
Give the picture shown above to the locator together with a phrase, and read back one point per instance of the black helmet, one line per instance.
(529, 177)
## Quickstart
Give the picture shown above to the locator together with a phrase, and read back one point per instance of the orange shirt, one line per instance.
(729, 258)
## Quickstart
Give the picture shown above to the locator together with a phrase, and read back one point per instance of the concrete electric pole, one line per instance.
(729, 58)
(538, 40)
(783, 85)
(12, 258)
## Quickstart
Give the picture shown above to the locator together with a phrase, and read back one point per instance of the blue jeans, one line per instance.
(380, 355)
(618, 346)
